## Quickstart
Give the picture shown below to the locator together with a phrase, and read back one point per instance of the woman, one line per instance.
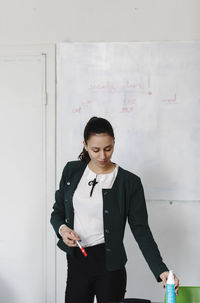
(94, 199)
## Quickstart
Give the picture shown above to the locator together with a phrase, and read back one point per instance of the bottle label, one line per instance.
(171, 295)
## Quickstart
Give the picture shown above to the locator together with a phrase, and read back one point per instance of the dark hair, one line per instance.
(95, 126)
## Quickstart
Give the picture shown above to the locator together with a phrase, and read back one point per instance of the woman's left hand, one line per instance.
(164, 277)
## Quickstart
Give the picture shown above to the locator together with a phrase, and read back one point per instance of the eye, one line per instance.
(96, 151)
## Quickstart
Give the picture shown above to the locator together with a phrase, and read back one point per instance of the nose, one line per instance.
(102, 155)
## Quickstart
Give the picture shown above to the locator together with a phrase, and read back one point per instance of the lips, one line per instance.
(102, 162)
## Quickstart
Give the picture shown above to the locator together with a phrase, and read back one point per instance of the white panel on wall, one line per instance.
(150, 93)
(22, 178)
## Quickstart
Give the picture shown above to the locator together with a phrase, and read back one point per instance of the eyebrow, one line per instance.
(104, 147)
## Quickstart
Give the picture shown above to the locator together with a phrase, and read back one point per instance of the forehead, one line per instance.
(100, 140)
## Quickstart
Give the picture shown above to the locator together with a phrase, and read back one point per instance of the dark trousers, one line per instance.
(87, 277)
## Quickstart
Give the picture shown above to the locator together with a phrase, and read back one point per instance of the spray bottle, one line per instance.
(171, 294)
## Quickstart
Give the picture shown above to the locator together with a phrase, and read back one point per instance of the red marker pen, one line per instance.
(80, 246)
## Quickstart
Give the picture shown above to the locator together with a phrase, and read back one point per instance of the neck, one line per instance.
(97, 170)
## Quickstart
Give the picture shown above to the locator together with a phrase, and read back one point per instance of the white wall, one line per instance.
(35, 21)
(27, 176)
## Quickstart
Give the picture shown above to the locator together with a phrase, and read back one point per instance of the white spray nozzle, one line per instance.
(170, 279)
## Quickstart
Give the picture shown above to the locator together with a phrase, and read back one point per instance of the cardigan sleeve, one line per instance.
(138, 221)
(58, 214)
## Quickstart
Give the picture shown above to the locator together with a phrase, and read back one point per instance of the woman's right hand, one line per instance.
(69, 236)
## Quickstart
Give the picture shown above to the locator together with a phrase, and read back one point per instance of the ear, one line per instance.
(85, 145)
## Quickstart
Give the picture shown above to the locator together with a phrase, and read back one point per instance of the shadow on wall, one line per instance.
(6, 293)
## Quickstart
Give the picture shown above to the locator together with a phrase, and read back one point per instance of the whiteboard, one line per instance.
(150, 92)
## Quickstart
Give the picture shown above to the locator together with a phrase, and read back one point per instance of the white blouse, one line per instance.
(88, 210)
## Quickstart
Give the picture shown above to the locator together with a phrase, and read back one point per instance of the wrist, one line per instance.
(63, 229)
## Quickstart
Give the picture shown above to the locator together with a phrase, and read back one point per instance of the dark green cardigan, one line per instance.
(125, 200)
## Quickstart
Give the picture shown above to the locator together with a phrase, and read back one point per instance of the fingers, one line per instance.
(163, 277)
(75, 236)
(69, 237)
(176, 284)
(164, 282)
(69, 242)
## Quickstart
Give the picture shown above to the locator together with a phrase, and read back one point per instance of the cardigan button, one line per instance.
(68, 183)
(106, 211)
(105, 193)
(107, 231)
(108, 249)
